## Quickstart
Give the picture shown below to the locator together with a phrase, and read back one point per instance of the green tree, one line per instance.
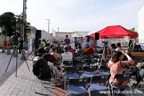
(12, 24)
(133, 30)
(8, 23)
(19, 26)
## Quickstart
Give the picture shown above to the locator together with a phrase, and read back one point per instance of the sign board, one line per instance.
(29, 44)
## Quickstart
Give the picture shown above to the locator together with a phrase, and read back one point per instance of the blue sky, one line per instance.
(77, 15)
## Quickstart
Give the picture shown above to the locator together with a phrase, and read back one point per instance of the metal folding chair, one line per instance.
(99, 85)
(89, 71)
(88, 59)
(46, 83)
(68, 63)
(103, 70)
(121, 77)
(71, 72)
(79, 61)
(78, 86)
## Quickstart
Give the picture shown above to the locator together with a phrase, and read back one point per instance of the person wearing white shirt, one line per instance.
(67, 56)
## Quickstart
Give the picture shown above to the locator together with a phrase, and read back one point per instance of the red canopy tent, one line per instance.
(116, 31)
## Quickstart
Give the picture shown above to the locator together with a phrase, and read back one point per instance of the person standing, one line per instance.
(118, 47)
(20, 45)
(44, 43)
(67, 40)
(76, 42)
(130, 44)
(36, 43)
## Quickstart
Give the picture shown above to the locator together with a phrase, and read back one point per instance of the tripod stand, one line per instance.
(104, 54)
(15, 49)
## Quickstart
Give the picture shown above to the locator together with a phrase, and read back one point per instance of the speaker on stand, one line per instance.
(96, 36)
(38, 34)
(87, 38)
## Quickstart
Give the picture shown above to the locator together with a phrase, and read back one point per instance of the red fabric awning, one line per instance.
(116, 31)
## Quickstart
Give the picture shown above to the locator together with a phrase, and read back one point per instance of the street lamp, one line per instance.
(24, 16)
(58, 29)
(48, 24)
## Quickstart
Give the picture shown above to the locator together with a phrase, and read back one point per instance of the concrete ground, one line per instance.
(24, 83)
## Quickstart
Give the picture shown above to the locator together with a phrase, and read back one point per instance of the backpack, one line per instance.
(42, 69)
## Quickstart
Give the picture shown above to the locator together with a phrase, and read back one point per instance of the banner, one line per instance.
(30, 44)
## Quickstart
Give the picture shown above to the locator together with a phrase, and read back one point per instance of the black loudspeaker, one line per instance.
(96, 36)
(38, 33)
(87, 38)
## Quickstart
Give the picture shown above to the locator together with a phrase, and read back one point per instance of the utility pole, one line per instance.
(58, 29)
(24, 17)
(48, 24)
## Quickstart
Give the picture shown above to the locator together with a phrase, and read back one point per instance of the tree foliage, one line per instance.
(8, 23)
(133, 30)
(12, 25)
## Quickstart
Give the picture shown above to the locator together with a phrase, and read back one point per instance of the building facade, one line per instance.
(71, 34)
(141, 23)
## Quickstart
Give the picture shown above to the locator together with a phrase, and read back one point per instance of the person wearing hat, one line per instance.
(40, 67)
(67, 56)
(48, 56)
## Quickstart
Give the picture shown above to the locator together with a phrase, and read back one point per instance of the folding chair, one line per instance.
(88, 59)
(79, 61)
(99, 85)
(46, 83)
(89, 71)
(71, 72)
(68, 63)
(78, 87)
(121, 77)
(103, 70)
(94, 61)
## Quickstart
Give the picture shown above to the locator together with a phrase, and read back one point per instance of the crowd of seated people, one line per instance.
(53, 58)
(116, 64)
